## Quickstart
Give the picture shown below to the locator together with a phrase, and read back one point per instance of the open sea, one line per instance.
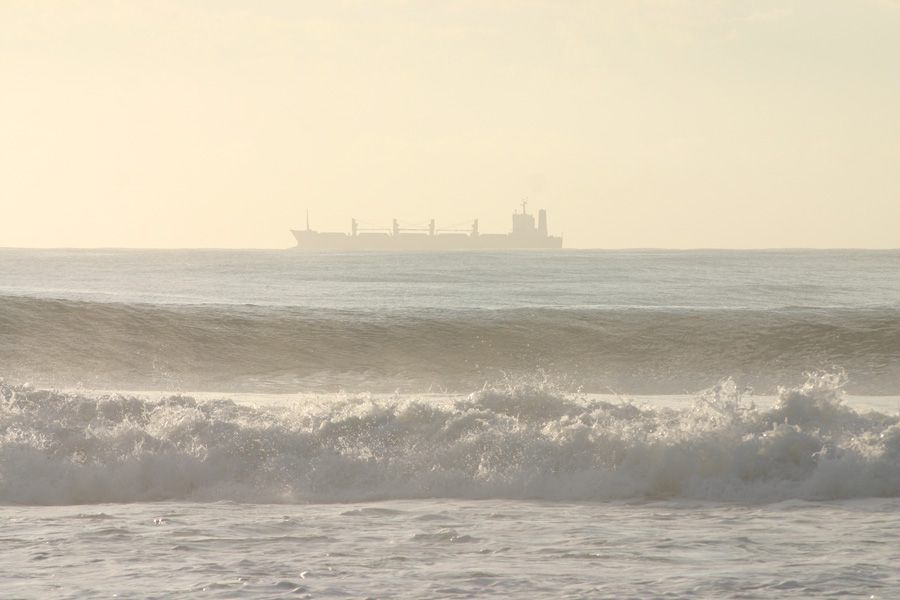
(571, 424)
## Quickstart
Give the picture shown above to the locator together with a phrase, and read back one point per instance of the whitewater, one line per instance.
(580, 424)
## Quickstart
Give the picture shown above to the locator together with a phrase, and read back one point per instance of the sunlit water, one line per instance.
(575, 424)
(451, 548)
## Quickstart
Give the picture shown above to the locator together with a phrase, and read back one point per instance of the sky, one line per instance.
(634, 123)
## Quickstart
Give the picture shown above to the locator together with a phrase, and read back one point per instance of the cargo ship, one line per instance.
(525, 234)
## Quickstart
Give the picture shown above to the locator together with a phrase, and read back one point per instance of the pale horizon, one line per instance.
(636, 125)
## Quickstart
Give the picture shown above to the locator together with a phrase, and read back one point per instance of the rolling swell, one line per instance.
(249, 348)
(518, 442)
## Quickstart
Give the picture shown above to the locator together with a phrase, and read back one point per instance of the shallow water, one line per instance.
(443, 548)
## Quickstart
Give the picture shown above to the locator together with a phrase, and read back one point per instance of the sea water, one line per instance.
(233, 424)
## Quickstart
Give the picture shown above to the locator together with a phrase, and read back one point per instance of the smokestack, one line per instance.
(542, 222)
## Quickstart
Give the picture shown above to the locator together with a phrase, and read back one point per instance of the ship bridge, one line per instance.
(523, 222)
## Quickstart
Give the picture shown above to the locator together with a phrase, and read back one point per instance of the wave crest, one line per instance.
(247, 348)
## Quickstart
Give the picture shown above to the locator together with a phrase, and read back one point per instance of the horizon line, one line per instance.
(539, 250)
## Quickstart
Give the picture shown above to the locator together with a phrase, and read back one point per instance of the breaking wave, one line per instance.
(252, 348)
(517, 442)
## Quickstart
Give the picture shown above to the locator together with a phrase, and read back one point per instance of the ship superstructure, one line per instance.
(525, 234)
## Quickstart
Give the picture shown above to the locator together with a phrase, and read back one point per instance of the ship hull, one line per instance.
(312, 240)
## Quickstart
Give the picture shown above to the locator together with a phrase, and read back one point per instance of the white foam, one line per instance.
(518, 442)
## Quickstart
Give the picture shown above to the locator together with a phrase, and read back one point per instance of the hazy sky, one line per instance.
(664, 124)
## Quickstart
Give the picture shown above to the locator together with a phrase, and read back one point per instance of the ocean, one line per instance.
(568, 424)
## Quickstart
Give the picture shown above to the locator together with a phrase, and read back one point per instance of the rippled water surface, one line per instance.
(647, 322)
(439, 548)
(521, 425)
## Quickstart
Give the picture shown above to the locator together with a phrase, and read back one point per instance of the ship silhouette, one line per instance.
(525, 234)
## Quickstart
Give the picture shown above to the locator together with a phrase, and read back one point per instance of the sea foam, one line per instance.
(520, 441)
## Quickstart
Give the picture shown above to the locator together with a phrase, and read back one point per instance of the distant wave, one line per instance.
(518, 442)
(247, 348)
